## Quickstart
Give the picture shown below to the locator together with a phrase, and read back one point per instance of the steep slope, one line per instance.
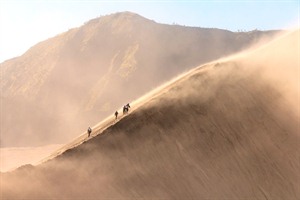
(63, 85)
(226, 130)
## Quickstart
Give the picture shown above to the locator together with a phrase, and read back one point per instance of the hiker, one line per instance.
(125, 110)
(116, 114)
(89, 131)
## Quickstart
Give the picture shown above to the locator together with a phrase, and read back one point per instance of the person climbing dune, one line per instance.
(89, 131)
(126, 108)
(116, 114)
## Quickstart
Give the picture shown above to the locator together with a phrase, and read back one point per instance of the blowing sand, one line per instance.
(226, 130)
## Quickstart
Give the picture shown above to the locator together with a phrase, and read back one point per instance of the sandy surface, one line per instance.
(226, 130)
(77, 78)
(11, 158)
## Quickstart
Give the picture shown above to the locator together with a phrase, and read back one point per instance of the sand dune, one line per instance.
(64, 84)
(14, 157)
(225, 130)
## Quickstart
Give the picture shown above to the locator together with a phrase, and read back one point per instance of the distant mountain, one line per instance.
(62, 85)
(225, 130)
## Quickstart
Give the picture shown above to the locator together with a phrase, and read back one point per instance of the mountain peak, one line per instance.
(125, 16)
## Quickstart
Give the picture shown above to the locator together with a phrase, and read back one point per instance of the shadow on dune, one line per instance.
(220, 132)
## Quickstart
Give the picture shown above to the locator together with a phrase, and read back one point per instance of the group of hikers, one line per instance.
(125, 111)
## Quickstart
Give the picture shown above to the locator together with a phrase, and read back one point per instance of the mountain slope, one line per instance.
(62, 85)
(226, 130)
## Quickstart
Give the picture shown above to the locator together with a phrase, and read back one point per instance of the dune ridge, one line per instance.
(226, 130)
(79, 77)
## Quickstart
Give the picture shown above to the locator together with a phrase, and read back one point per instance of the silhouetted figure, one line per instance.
(116, 114)
(89, 131)
(126, 108)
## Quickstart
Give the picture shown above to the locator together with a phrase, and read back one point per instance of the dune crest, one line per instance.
(225, 130)
(79, 77)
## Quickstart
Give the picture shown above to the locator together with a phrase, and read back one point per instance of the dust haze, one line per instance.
(63, 85)
(12, 158)
(226, 129)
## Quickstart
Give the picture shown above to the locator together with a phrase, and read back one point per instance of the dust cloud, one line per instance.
(226, 129)
(283, 69)
(72, 81)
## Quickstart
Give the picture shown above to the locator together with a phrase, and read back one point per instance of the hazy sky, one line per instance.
(23, 23)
